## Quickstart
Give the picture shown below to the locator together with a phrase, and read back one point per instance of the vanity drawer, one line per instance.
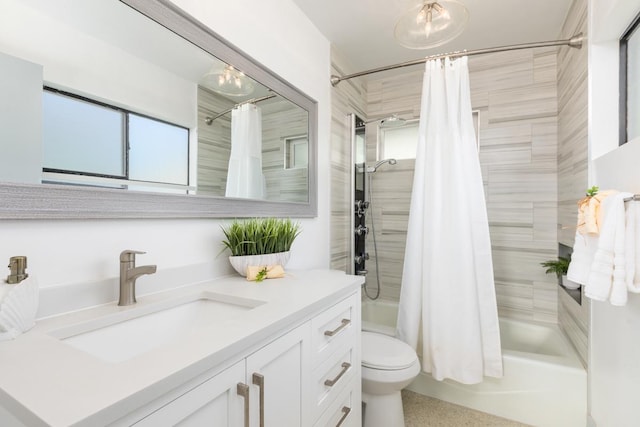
(331, 377)
(335, 328)
(345, 411)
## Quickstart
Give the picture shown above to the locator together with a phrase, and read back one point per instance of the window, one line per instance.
(82, 137)
(296, 152)
(158, 151)
(401, 142)
(630, 83)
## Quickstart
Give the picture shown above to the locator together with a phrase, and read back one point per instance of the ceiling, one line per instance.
(362, 30)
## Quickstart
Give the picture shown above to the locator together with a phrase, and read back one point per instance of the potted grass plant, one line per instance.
(559, 267)
(259, 241)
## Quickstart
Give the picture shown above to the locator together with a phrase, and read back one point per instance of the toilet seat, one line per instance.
(387, 353)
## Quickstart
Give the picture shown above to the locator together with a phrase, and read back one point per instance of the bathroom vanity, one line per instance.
(283, 352)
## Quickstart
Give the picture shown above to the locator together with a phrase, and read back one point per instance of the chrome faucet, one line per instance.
(128, 275)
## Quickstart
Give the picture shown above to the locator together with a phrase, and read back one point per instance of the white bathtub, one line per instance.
(544, 383)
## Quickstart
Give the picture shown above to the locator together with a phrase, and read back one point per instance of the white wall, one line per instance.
(20, 96)
(275, 33)
(614, 368)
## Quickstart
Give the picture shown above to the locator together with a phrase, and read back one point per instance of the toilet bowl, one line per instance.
(388, 366)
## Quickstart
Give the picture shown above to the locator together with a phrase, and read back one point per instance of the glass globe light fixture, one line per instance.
(431, 24)
(227, 81)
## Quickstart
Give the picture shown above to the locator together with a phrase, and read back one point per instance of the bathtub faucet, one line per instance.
(128, 275)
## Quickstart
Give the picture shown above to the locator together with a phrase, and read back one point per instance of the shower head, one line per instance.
(392, 122)
(379, 163)
(388, 122)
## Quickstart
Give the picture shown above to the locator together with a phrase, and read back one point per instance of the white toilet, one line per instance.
(388, 366)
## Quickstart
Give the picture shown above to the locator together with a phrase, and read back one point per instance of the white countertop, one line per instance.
(44, 381)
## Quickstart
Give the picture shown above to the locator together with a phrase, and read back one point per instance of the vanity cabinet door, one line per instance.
(213, 403)
(279, 375)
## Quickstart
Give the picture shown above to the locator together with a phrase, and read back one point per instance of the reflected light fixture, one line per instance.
(227, 81)
(431, 24)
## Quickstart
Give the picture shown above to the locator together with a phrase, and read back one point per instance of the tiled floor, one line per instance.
(423, 411)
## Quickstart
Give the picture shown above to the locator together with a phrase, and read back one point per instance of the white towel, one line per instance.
(607, 278)
(584, 249)
(619, 286)
(632, 249)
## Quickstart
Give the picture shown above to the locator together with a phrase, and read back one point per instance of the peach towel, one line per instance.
(590, 213)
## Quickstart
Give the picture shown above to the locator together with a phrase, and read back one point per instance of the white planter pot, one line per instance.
(240, 263)
(569, 284)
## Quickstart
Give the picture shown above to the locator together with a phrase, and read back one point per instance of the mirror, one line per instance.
(248, 138)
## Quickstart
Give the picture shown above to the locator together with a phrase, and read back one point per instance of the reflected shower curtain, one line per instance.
(448, 294)
(244, 177)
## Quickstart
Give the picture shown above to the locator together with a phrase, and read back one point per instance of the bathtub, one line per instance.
(544, 382)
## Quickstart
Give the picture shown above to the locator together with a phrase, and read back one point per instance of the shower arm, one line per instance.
(574, 42)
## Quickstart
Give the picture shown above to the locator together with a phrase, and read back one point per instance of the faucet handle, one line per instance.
(129, 255)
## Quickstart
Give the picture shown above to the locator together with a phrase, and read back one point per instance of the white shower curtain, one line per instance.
(448, 294)
(244, 176)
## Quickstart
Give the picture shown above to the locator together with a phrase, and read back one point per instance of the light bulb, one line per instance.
(422, 15)
(429, 24)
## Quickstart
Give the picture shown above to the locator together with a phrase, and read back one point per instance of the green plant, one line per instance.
(262, 274)
(559, 266)
(258, 236)
(592, 191)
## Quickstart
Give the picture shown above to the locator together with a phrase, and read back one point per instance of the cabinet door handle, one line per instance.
(345, 368)
(243, 390)
(343, 324)
(345, 414)
(258, 380)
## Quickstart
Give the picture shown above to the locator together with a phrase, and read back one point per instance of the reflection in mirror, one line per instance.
(139, 78)
(228, 131)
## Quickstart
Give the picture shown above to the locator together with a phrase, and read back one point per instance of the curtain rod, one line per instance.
(208, 120)
(575, 42)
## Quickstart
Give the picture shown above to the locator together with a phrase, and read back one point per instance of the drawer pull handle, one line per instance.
(243, 390)
(259, 381)
(345, 368)
(345, 413)
(343, 325)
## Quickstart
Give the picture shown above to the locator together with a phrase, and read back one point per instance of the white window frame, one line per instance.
(89, 178)
(632, 31)
(289, 158)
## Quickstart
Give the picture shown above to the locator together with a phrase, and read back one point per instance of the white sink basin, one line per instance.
(134, 331)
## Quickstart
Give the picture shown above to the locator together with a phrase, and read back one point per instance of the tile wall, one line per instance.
(346, 98)
(572, 163)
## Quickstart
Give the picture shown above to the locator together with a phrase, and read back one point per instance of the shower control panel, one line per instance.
(360, 230)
